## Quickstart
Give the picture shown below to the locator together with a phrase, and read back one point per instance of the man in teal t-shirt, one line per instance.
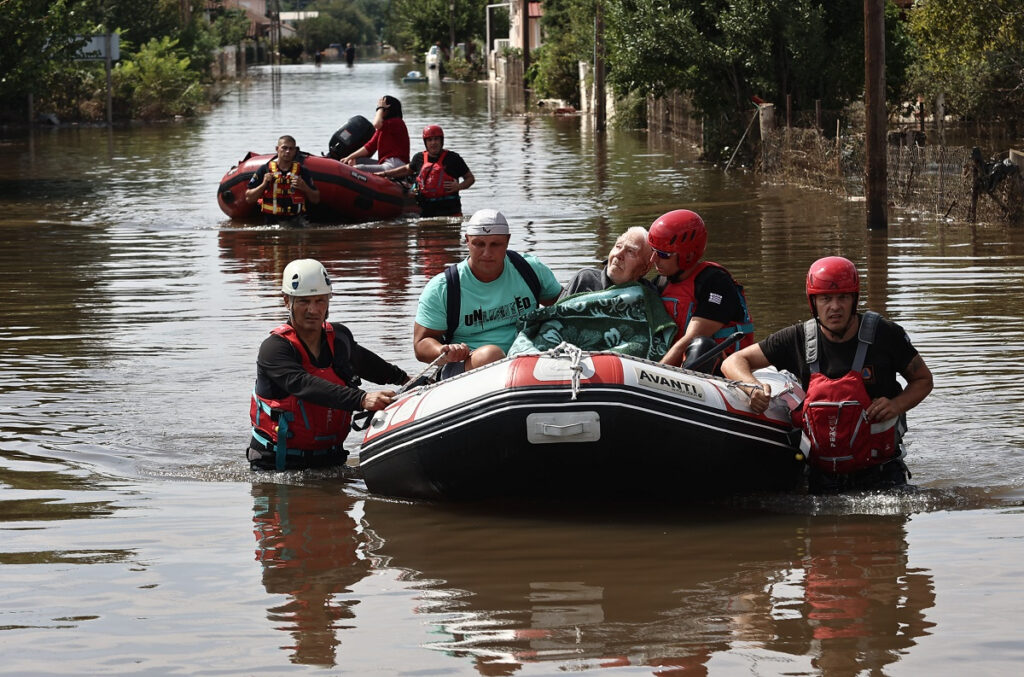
(493, 296)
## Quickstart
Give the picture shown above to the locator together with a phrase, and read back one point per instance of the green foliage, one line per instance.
(415, 25)
(973, 52)
(36, 37)
(340, 22)
(291, 49)
(459, 68)
(230, 27)
(156, 82)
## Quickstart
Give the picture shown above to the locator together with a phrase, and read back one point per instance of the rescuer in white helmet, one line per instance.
(307, 379)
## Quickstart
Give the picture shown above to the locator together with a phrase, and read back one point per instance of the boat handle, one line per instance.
(562, 430)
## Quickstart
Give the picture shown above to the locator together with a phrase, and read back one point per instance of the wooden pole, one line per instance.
(600, 111)
(876, 118)
(526, 40)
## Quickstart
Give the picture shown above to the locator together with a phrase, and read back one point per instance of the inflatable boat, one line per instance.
(568, 422)
(346, 193)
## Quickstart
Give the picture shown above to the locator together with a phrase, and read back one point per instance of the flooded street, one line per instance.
(137, 541)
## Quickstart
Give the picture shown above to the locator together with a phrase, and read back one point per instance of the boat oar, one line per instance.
(362, 419)
(701, 360)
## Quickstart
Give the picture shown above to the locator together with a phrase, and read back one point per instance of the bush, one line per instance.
(458, 68)
(156, 83)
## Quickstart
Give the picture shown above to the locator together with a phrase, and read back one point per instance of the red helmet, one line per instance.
(680, 231)
(430, 131)
(832, 275)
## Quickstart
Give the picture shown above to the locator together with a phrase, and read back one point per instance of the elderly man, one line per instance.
(628, 261)
(468, 313)
(307, 377)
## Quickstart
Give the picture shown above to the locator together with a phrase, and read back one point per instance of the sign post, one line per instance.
(108, 48)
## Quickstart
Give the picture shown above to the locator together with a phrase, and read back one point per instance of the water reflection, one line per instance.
(832, 594)
(307, 544)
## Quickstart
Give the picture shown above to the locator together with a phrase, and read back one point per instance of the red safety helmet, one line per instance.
(431, 131)
(680, 231)
(831, 275)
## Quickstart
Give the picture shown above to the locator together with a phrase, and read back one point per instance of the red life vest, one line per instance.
(281, 198)
(306, 426)
(680, 300)
(430, 182)
(834, 415)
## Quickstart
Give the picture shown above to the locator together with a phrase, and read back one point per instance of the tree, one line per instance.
(973, 53)
(415, 25)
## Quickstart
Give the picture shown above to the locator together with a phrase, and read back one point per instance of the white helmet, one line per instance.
(487, 222)
(305, 277)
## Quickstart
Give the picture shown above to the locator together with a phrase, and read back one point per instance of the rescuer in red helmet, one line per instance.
(441, 175)
(853, 416)
(707, 304)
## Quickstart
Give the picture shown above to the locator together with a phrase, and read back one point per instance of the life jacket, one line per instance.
(833, 415)
(680, 299)
(454, 287)
(292, 426)
(430, 182)
(281, 198)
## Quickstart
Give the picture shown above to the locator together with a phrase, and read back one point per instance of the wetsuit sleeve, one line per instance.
(895, 338)
(279, 364)
(416, 164)
(717, 297)
(455, 166)
(257, 177)
(785, 350)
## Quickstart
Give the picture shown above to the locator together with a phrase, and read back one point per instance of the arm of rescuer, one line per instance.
(280, 363)
(698, 326)
(740, 366)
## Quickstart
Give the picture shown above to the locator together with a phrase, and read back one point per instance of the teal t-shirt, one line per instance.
(489, 310)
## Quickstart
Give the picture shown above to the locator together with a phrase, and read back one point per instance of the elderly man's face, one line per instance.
(626, 262)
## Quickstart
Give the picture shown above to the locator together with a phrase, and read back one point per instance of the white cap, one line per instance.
(487, 222)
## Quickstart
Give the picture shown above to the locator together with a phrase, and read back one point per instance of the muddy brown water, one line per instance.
(136, 540)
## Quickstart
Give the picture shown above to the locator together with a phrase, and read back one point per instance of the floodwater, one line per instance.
(135, 540)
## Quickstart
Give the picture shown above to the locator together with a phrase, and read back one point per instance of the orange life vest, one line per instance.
(680, 299)
(430, 182)
(280, 198)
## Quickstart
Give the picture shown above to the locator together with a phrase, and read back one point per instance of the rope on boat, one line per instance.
(575, 355)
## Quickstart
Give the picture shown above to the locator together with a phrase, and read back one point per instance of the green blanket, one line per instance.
(627, 318)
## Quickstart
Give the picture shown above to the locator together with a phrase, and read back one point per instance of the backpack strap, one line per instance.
(865, 337)
(811, 344)
(451, 278)
(527, 272)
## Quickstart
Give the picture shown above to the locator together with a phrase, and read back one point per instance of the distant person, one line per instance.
(628, 261)
(350, 54)
(390, 141)
(282, 186)
(318, 58)
(441, 175)
(468, 313)
(707, 304)
(846, 357)
(307, 379)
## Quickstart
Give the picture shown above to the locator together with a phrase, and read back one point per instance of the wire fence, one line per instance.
(952, 181)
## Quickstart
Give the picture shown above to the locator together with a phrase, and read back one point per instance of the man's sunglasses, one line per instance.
(662, 255)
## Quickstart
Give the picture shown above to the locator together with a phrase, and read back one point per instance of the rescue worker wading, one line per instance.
(307, 377)
(854, 412)
(282, 186)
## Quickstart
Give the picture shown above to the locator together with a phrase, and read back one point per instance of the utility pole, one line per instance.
(875, 116)
(526, 40)
(451, 29)
(600, 112)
